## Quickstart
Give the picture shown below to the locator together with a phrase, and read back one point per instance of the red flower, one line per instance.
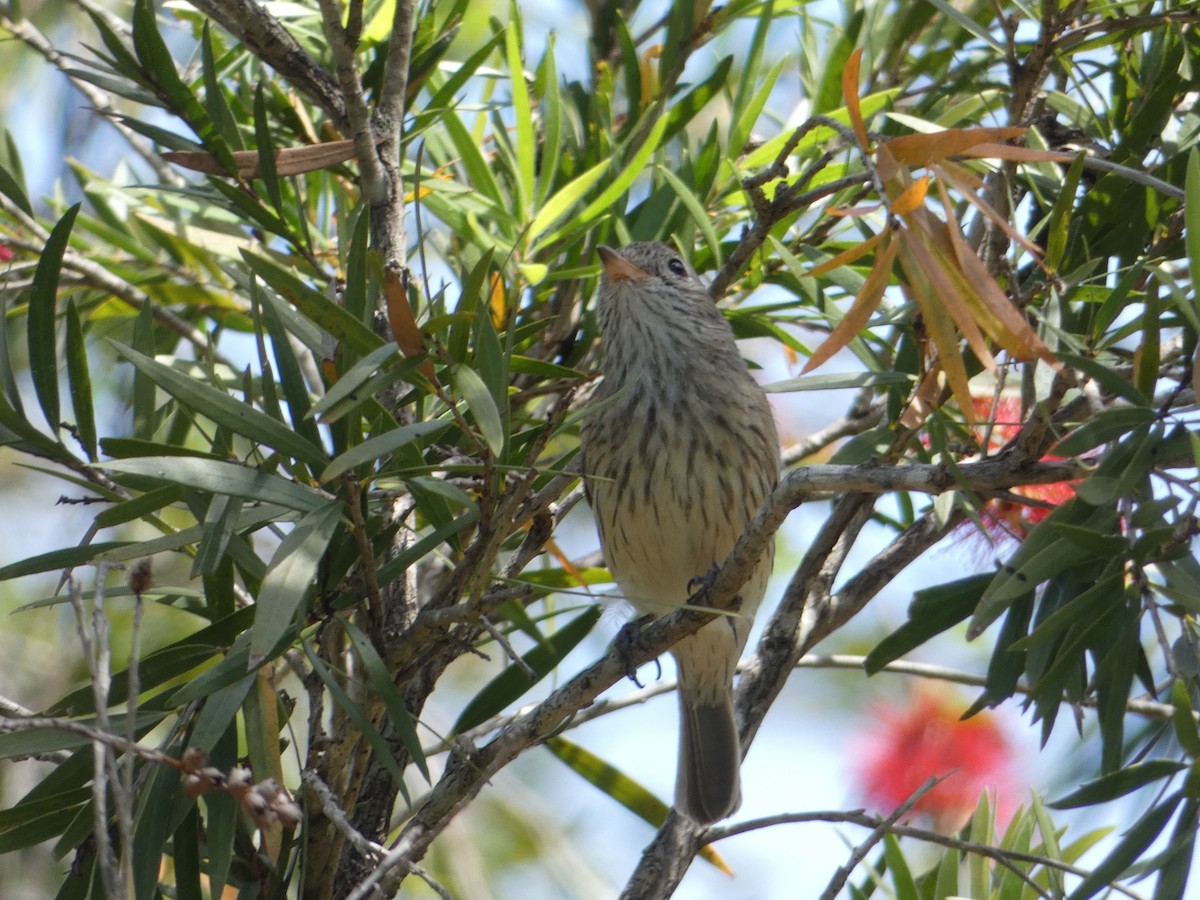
(926, 738)
(6, 253)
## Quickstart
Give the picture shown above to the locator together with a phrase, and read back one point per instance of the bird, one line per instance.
(679, 451)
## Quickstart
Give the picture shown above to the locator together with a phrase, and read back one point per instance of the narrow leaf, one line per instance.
(221, 478)
(226, 410)
(483, 407)
(291, 578)
(43, 296)
(514, 682)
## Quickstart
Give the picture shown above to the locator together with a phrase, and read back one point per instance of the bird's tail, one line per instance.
(707, 783)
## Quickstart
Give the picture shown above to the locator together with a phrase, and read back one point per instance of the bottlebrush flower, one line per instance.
(926, 738)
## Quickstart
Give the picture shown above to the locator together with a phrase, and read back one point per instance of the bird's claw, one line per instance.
(627, 642)
(700, 585)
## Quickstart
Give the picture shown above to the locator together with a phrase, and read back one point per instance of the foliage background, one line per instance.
(1116, 78)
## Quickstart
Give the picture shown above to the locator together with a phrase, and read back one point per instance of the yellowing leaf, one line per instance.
(952, 291)
(937, 322)
(496, 300)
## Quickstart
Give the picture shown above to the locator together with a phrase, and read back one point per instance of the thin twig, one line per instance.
(921, 834)
(859, 853)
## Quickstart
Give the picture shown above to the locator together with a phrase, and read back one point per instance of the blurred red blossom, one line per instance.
(6, 253)
(924, 738)
(999, 421)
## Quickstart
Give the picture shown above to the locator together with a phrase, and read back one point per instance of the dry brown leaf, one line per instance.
(289, 161)
(859, 314)
(993, 298)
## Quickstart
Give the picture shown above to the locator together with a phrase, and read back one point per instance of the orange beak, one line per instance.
(618, 268)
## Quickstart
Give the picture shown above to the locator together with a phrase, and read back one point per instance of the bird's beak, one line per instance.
(618, 268)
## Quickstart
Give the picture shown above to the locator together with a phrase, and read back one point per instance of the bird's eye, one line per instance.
(677, 267)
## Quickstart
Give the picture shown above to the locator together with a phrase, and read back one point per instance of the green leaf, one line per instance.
(514, 682)
(1176, 861)
(603, 203)
(56, 560)
(43, 297)
(524, 137)
(695, 209)
(81, 382)
(902, 879)
(318, 308)
(379, 447)
(226, 410)
(687, 107)
(483, 407)
(609, 779)
(14, 190)
(1127, 852)
(837, 381)
(356, 383)
(266, 151)
(933, 611)
(290, 578)
(564, 200)
(1191, 230)
(381, 680)
(221, 478)
(357, 716)
(1058, 222)
(157, 63)
(1118, 784)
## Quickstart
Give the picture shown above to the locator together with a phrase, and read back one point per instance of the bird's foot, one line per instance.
(628, 642)
(700, 585)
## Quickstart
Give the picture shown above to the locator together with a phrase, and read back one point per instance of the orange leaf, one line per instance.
(850, 95)
(911, 198)
(859, 314)
(847, 256)
(401, 320)
(922, 149)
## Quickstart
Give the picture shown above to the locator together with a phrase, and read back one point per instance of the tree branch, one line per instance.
(264, 35)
